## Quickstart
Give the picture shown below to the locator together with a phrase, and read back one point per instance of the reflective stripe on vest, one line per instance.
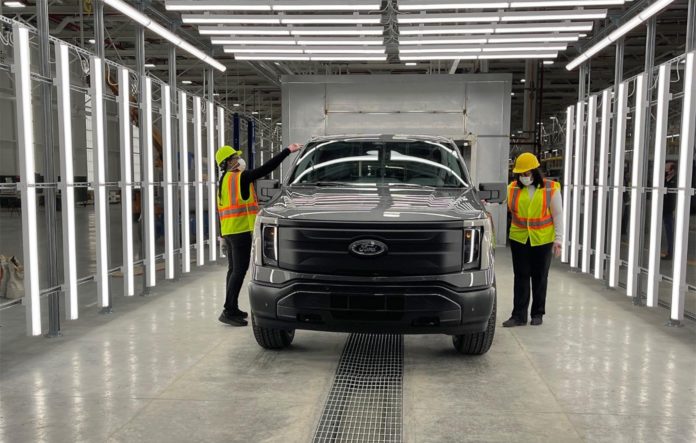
(537, 225)
(236, 215)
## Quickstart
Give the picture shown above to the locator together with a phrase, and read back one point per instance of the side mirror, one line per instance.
(493, 192)
(267, 189)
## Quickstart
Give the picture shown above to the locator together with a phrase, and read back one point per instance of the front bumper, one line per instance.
(416, 307)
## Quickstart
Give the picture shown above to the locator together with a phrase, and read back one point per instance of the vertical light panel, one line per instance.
(148, 189)
(99, 185)
(67, 179)
(658, 182)
(636, 185)
(686, 158)
(221, 140)
(25, 143)
(185, 190)
(198, 159)
(577, 186)
(617, 183)
(166, 110)
(567, 178)
(124, 125)
(589, 182)
(602, 172)
(212, 200)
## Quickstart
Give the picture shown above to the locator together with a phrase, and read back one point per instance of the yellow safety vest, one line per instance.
(236, 215)
(531, 218)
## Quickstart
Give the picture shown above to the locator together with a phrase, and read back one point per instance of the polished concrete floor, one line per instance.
(161, 368)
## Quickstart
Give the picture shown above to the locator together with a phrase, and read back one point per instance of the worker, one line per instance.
(536, 233)
(237, 209)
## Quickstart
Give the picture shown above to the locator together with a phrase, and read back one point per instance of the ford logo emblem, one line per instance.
(368, 248)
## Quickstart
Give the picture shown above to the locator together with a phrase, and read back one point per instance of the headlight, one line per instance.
(269, 244)
(471, 251)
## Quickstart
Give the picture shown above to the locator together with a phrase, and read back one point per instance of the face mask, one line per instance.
(526, 180)
(241, 165)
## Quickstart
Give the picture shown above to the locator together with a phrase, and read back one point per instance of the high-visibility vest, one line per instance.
(531, 218)
(236, 214)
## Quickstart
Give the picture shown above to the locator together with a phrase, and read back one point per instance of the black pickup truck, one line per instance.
(378, 234)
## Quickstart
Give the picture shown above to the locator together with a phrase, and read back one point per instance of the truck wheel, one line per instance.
(477, 343)
(269, 338)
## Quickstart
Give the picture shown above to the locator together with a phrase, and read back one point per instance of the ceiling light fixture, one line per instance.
(142, 19)
(619, 32)
(420, 5)
(242, 30)
(186, 82)
(15, 4)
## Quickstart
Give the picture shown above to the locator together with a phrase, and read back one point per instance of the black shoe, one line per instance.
(232, 320)
(512, 322)
(536, 321)
(239, 313)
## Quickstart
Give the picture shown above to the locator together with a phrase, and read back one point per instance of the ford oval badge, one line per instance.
(368, 248)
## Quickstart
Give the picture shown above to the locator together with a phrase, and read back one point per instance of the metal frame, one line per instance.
(67, 175)
(589, 182)
(686, 159)
(100, 197)
(635, 224)
(658, 184)
(617, 184)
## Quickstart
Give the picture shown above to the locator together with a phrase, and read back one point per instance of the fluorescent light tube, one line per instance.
(340, 50)
(634, 231)
(166, 109)
(420, 5)
(561, 3)
(619, 32)
(574, 14)
(658, 182)
(540, 38)
(484, 17)
(25, 145)
(406, 41)
(198, 159)
(348, 58)
(686, 158)
(543, 27)
(437, 57)
(242, 30)
(589, 181)
(324, 5)
(212, 198)
(142, 19)
(548, 62)
(567, 182)
(67, 174)
(274, 57)
(577, 183)
(149, 65)
(521, 55)
(331, 19)
(15, 4)
(336, 30)
(338, 41)
(435, 49)
(602, 173)
(148, 188)
(262, 50)
(617, 184)
(99, 185)
(226, 5)
(230, 19)
(185, 188)
(125, 145)
(432, 30)
(186, 82)
(289, 41)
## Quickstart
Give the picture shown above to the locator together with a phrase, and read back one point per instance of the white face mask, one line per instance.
(241, 165)
(526, 180)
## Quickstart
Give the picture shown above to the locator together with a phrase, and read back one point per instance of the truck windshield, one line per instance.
(421, 163)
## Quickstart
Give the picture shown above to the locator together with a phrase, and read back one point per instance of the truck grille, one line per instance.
(408, 251)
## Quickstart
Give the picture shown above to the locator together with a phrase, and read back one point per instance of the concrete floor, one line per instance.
(161, 368)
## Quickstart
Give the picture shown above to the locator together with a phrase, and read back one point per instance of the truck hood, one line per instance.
(375, 204)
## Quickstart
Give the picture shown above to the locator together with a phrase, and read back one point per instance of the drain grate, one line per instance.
(365, 401)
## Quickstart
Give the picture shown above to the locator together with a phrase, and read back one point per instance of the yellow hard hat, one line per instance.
(224, 153)
(525, 162)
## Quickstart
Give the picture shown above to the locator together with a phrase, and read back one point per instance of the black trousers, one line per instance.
(238, 257)
(531, 265)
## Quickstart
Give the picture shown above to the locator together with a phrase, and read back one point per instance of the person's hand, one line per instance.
(557, 249)
(294, 147)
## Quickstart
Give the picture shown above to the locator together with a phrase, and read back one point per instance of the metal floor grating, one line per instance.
(365, 401)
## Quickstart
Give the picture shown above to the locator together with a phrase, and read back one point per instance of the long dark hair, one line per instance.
(537, 176)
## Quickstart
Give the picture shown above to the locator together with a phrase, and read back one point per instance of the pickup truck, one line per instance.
(376, 234)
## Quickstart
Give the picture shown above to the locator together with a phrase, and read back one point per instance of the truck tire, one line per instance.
(269, 338)
(477, 343)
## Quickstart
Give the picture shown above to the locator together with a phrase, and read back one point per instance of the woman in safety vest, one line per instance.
(237, 209)
(536, 232)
